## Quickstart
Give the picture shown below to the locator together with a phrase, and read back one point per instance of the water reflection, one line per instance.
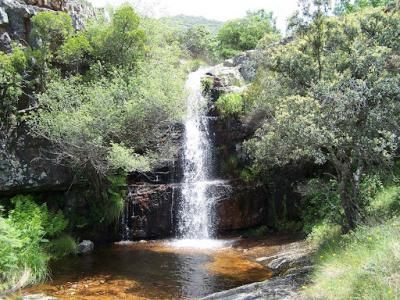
(151, 272)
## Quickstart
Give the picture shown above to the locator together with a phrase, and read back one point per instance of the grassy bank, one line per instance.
(365, 263)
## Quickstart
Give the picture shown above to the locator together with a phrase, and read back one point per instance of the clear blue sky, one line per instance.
(213, 9)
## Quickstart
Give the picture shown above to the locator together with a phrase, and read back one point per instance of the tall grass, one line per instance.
(364, 264)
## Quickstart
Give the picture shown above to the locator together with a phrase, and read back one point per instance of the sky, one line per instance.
(221, 10)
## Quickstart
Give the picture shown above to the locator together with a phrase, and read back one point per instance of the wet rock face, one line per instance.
(150, 211)
(244, 207)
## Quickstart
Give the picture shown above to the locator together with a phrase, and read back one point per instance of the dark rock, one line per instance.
(24, 169)
(244, 207)
(150, 211)
(5, 42)
(85, 247)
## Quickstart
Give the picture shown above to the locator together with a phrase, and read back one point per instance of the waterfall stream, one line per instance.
(197, 210)
(195, 215)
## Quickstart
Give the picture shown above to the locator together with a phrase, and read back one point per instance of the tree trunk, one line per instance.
(349, 194)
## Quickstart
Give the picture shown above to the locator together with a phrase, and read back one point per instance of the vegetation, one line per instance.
(24, 235)
(363, 264)
(106, 99)
(101, 97)
(244, 34)
(230, 105)
(329, 95)
(332, 95)
(187, 22)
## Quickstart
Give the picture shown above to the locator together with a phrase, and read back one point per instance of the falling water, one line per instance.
(195, 220)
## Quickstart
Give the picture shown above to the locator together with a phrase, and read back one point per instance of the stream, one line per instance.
(151, 270)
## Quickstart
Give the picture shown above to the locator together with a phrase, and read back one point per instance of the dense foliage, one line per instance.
(331, 96)
(25, 245)
(244, 34)
(105, 98)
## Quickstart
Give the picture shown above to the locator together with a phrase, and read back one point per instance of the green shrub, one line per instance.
(386, 203)
(257, 232)
(24, 240)
(230, 105)
(207, 84)
(62, 246)
(324, 232)
(321, 203)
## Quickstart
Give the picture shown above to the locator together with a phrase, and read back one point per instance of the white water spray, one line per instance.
(195, 220)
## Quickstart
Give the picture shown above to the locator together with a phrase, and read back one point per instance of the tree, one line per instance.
(73, 52)
(344, 114)
(198, 40)
(244, 34)
(120, 43)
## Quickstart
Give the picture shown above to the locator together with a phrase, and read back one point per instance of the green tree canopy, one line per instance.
(244, 34)
(332, 95)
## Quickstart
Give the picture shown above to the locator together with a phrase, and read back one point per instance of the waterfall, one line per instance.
(195, 218)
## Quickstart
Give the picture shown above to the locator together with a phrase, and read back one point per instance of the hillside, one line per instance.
(187, 22)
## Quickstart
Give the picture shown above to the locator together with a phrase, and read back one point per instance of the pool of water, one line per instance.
(149, 270)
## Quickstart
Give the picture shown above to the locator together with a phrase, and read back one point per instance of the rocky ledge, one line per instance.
(291, 267)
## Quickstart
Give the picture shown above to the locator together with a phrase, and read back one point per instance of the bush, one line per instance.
(244, 34)
(321, 204)
(386, 203)
(62, 246)
(230, 105)
(24, 239)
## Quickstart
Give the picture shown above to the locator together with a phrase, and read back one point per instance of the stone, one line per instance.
(229, 63)
(23, 169)
(3, 16)
(283, 286)
(85, 247)
(279, 288)
(5, 42)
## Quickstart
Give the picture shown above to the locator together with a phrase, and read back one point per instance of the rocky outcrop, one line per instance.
(23, 167)
(152, 209)
(291, 267)
(244, 207)
(15, 16)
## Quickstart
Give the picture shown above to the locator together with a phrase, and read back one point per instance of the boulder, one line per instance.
(85, 247)
(279, 288)
(23, 168)
(225, 80)
(3, 16)
(5, 42)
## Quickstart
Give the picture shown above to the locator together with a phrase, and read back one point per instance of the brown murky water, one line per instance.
(150, 271)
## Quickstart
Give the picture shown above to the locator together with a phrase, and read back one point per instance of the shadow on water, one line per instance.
(149, 272)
